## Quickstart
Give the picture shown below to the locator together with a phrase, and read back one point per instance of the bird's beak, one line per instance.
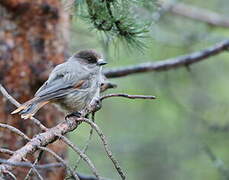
(101, 62)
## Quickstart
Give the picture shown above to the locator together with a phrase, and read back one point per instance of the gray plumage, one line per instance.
(72, 85)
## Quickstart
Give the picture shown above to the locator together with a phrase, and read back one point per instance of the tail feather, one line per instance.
(28, 109)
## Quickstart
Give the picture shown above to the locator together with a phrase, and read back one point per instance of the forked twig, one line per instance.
(82, 155)
(62, 161)
(106, 147)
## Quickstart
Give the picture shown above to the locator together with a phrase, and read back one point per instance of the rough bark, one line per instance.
(32, 40)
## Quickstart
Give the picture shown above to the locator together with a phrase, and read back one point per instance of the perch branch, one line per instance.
(41, 139)
(180, 61)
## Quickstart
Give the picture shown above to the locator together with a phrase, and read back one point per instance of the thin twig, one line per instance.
(106, 147)
(15, 130)
(127, 96)
(74, 175)
(218, 163)
(30, 165)
(11, 175)
(33, 169)
(17, 104)
(164, 65)
(82, 155)
(6, 151)
(87, 142)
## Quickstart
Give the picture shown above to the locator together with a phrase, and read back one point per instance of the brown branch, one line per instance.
(197, 13)
(41, 139)
(127, 96)
(180, 61)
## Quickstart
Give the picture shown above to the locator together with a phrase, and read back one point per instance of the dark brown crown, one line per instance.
(91, 56)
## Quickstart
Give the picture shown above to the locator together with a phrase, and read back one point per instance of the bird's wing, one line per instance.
(63, 79)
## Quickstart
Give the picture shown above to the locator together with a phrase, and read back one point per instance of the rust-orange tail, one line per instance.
(29, 108)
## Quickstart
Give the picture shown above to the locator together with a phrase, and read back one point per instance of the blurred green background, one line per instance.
(174, 136)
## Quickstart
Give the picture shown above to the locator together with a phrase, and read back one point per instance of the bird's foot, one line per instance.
(74, 114)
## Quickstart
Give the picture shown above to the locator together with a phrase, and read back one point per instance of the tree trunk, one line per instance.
(32, 40)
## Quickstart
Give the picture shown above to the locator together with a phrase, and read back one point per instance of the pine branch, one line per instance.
(115, 19)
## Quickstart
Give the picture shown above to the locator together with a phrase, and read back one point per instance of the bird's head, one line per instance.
(90, 57)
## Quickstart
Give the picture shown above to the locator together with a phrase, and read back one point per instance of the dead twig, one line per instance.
(15, 130)
(33, 169)
(127, 96)
(82, 155)
(106, 147)
(74, 175)
(87, 142)
(30, 165)
(11, 175)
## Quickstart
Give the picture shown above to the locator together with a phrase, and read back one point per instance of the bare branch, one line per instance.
(180, 61)
(30, 165)
(41, 139)
(6, 151)
(33, 169)
(82, 155)
(62, 161)
(87, 142)
(106, 147)
(15, 130)
(197, 13)
(17, 104)
(127, 96)
(85, 177)
(218, 163)
(11, 175)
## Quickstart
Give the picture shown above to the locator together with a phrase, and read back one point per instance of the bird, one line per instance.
(72, 86)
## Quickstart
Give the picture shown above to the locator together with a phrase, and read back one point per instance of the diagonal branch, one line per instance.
(180, 61)
(41, 139)
(197, 13)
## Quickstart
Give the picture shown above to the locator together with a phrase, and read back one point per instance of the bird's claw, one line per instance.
(74, 114)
